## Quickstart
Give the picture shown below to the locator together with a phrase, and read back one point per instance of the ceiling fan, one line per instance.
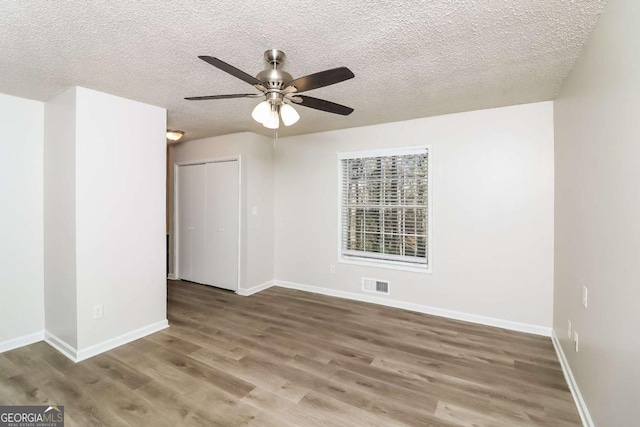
(279, 90)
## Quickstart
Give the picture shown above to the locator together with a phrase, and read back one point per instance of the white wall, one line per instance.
(120, 215)
(256, 151)
(104, 215)
(21, 253)
(60, 217)
(597, 236)
(492, 212)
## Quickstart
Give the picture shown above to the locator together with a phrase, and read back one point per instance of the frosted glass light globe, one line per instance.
(261, 113)
(289, 115)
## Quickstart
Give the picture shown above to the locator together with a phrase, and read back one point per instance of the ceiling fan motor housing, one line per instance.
(274, 78)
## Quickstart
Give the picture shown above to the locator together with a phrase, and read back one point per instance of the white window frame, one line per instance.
(383, 263)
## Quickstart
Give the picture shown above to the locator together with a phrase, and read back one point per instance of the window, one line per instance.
(384, 215)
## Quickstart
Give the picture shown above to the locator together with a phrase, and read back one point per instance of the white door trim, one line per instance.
(176, 219)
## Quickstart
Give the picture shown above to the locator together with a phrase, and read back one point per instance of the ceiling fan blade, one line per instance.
(231, 70)
(321, 79)
(321, 104)
(237, 95)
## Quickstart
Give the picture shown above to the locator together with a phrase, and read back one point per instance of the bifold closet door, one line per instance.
(191, 222)
(222, 223)
(208, 223)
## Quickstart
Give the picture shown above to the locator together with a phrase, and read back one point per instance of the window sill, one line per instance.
(390, 265)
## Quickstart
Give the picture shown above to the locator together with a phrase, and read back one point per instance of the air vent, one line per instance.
(375, 285)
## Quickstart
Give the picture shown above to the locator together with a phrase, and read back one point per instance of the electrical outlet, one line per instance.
(575, 340)
(97, 311)
(332, 269)
(569, 328)
(254, 211)
(585, 294)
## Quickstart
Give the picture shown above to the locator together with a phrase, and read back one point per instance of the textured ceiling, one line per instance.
(411, 58)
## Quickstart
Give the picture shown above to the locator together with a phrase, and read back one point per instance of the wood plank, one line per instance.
(286, 358)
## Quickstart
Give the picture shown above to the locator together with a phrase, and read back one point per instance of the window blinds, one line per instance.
(385, 207)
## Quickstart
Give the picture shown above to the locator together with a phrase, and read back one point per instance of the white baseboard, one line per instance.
(451, 314)
(96, 349)
(80, 355)
(61, 345)
(172, 276)
(254, 289)
(571, 381)
(21, 341)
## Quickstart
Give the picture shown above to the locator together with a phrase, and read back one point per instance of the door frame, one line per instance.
(176, 219)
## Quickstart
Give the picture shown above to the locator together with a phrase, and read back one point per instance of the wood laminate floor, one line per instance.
(290, 358)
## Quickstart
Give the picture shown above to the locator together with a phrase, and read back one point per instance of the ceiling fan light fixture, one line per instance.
(273, 121)
(289, 115)
(174, 135)
(261, 112)
(278, 87)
